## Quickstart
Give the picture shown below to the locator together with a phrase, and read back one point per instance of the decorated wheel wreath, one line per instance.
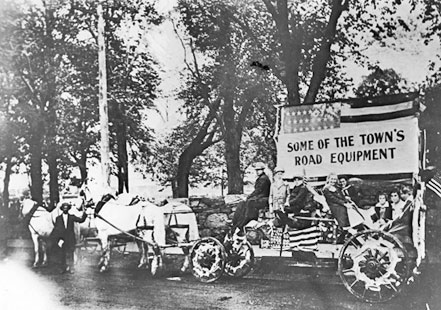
(207, 258)
(373, 266)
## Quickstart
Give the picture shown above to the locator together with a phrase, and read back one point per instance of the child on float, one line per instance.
(383, 210)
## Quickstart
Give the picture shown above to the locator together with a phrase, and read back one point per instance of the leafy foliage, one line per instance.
(381, 82)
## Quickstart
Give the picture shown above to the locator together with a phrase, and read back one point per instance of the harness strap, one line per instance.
(28, 217)
(125, 232)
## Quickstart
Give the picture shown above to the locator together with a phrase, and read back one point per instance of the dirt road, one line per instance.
(125, 287)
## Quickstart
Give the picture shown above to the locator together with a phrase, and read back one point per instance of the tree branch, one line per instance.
(324, 54)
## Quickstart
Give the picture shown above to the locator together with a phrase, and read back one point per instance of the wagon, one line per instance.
(373, 141)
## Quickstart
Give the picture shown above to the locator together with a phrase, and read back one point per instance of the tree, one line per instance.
(34, 43)
(381, 82)
(10, 132)
(132, 82)
(302, 44)
(237, 85)
(53, 65)
(169, 151)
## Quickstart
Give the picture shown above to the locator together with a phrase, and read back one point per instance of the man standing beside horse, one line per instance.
(64, 235)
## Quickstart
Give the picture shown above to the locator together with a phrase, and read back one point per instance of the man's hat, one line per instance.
(259, 166)
(65, 205)
(278, 169)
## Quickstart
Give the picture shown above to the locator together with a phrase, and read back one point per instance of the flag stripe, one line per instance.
(381, 100)
(304, 237)
(347, 110)
(434, 184)
(435, 189)
(437, 192)
(377, 117)
(335, 114)
(306, 230)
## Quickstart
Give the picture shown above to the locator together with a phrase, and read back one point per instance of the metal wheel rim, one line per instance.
(243, 266)
(207, 259)
(373, 266)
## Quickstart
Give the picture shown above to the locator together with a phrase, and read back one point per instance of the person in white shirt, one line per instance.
(396, 203)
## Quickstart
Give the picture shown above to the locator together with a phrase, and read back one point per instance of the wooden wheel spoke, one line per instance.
(355, 244)
(353, 283)
(347, 270)
(364, 292)
(390, 285)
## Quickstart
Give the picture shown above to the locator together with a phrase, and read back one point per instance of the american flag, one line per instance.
(304, 239)
(323, 116)
(311, 117)
(435, 184)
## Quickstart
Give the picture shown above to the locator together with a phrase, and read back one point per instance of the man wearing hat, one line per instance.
(256, 201)
(64, 235)
(300, 202)
(279, 192)
(299, 196)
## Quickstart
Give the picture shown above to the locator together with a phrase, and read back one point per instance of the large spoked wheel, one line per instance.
(373, 266)
(240, 259)
(207, 258)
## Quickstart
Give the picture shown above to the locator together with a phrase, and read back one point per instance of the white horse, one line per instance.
(41, 225)
(181, 221)
(141, 219)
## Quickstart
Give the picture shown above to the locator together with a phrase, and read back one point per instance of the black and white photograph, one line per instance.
(220, 154)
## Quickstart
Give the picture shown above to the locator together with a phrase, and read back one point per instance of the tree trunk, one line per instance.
(123, 174)
(232, 157)
(103, 108)
(184, 166)
(6, 180)
(53, 176)
(36, 175)
(202, 141)
(82, 165)
(121, 141)
(324, 54)
(232, 138)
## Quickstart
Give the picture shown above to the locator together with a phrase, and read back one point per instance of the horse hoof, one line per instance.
(141, 265)
(44, 264)
(154, 270)
(184, 268)
(102, 269)
(155, 267)
(185, 265)
(35, 265)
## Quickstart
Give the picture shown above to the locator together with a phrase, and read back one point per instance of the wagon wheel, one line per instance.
(207, 258)
(373, 266)
(240, 260)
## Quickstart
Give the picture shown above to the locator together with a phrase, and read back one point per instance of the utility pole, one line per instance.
(104, 117)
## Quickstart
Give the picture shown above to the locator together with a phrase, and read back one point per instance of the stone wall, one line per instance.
(214, 215)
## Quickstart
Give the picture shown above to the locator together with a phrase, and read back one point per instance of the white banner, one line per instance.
(383, 147)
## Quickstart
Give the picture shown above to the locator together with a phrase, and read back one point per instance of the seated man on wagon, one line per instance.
(301, 203)
(257, 200)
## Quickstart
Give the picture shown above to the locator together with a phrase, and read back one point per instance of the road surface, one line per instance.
(126, 287)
